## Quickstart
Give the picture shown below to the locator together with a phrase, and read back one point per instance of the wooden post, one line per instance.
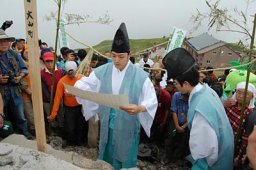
(34, 71)
(239, 132)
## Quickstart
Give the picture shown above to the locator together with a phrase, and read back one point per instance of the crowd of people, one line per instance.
(181, 109)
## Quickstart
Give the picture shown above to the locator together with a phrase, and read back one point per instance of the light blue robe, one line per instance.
(207, 103)
(119, 135)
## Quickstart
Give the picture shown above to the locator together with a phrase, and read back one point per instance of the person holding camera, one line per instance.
(12, 70)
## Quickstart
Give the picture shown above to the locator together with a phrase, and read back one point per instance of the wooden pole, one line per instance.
(239, 132)
(55, 58)
(34, 71)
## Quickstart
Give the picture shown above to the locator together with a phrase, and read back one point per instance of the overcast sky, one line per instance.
(143, 18)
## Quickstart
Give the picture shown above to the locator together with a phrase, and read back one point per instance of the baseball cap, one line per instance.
(48, 56)
(70, 65)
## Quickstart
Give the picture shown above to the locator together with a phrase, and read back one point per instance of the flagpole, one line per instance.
(55, 56)
(239, 132)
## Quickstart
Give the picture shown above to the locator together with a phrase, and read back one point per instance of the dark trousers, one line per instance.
(13, 108)
(76, 127)
(179, 147)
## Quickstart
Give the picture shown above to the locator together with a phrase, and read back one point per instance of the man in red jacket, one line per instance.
(46, 77)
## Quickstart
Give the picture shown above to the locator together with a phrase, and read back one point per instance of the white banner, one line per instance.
(176, 39)
(63, 41)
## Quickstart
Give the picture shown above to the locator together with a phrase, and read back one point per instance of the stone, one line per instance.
(6, 161)
(56, 142)
(140, 164)
(144, 168)
(6, 149)
(81, 161)
(152, 167)
(102, 165)
(24, 158)
(27, 159)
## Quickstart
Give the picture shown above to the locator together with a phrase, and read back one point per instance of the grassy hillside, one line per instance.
(137, 45)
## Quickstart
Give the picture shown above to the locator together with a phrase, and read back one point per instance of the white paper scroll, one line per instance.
(110, 100)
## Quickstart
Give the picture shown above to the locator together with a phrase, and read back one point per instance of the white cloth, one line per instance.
(164, 79)
(251, 88)
(203, 142)
(147, 97)
(149, 62)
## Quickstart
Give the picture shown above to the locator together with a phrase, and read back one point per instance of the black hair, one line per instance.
(145, 55)
(132, 59)
(59, 58)
(222, 78)
(64, 50)
(81, 54)
(94, 57)
(209, 68)
(146, 65)
(209, 80)
(191, 76)
(226, 72)
(20, 39)
(14, 45)
(101, 61)
(217, 87)
(44, 43)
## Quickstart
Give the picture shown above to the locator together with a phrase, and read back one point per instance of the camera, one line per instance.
(12, 79)
(7, 24)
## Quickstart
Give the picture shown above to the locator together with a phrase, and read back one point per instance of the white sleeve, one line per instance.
(141, 62)
(203, 142)
(91, 83)
(149, 100)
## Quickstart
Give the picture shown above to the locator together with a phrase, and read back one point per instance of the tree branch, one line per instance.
(233, 31)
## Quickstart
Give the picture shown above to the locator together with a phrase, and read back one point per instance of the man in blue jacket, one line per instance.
(12, 70)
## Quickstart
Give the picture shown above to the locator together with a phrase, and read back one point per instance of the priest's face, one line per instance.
(120, 60)
(182, 88)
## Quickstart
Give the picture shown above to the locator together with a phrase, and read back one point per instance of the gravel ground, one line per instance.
(92, 153)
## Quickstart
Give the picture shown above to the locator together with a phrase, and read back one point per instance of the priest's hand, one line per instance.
(133, 109)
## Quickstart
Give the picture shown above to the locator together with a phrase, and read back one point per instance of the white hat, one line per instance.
(70, 65)
(251, 88)
(3, 35)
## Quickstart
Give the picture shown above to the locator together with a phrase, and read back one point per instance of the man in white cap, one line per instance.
(74, 122)
(120, 128)
(234, 115)
(12, 70)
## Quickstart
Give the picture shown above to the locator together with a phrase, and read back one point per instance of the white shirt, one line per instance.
(149, 62)
(163, 82)
(147, 96)
(203, 142)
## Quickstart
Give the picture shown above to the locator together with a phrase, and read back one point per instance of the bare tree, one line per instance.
(222, 18)
(71, 19)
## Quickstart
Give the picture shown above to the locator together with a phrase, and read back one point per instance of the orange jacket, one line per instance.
(60, 92)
